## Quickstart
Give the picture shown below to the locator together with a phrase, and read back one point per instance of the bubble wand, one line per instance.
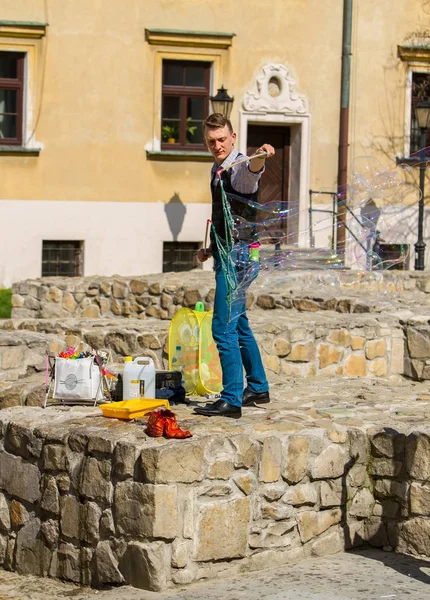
(240, 161)
(208, 224)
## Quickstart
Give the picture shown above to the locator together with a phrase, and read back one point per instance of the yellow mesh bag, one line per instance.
(192, 351)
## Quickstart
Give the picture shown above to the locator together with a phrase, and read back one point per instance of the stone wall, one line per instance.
(94, 501)
(161, 295)
(354, 345)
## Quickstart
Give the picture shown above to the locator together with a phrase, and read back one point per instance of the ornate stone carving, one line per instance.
(274, 91)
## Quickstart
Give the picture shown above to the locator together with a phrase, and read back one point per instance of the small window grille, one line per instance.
(62, 258)
(180, 256)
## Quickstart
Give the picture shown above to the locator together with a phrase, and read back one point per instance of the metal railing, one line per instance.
(334, 212)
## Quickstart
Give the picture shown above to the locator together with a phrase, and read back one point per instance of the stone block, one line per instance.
(332, 493)
(378, 367)
(124, 460)
(276, 511)
(221, 469)
(95, 480)
(271, 460)
(388, 443)
(331, 543)
(330, 463)
(296, 464)
(385, 467)
(143, 566)
(340, 337)
(71, 521)
(305, 305)
(246, 482)
(119, 289)
(327, 355)
(414, 537)
(418, 342)
(3, 548)
(417, 457)
(271, 362)
(420, 498)
(12, 358)
(138, 287)
(375, 348)
(4, 514)
(312, 524)
(301, 494)
(23, 441)
(173, 463)
(357, 343)
(362, 504)
(375, 532)
(281, 347)
(302, 352)
(222, 530)
(247, 455)
(389, 488)
(18, 514)
(74, 564)
(106, 565)
(51, 532)
(69, 303)
(145, 510)
(179, 555)
(91, 312)
(266, 302)
(355, 366)
(19, 478)
(54, 457)
(30, 550)
(50, 501)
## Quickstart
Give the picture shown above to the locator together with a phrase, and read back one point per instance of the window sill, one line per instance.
(19, 151)
(179, 155)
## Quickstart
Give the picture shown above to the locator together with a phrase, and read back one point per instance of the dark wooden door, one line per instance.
(274, 184)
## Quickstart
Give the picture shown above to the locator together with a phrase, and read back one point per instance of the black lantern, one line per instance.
(422, 116)
(222, 102)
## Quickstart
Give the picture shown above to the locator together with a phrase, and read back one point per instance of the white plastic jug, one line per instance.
(138, 378)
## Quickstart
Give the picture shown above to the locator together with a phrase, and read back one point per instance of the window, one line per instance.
(11, 98)
(420, 92)
(62, 258)
(180, 256)
(185, 104)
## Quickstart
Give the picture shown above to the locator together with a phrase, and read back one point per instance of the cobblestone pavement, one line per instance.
(360, 575)
(365, 403)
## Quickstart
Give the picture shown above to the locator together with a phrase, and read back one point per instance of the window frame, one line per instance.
(17, 84)
(185, 92)
(77, 246)
(414, 132)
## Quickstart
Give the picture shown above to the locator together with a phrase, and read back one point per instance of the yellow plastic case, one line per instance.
(132, 409)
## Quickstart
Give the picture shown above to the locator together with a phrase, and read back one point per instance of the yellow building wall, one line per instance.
(97, 79)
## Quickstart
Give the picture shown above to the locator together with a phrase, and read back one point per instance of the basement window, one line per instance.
(180, 256)
(62, 258)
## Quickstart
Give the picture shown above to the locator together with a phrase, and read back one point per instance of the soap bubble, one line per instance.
(360, 227)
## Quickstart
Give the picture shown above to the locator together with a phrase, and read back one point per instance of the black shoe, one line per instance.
(220, 408)
(253, 399)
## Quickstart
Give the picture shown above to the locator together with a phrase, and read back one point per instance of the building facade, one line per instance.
(103, 169)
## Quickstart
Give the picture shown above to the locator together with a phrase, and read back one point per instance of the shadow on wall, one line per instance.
(175, 212)
(396, 518)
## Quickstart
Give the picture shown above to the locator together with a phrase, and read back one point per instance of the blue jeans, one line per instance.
(232, 334)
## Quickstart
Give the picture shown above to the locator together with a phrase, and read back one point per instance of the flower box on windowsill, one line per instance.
(179, 155)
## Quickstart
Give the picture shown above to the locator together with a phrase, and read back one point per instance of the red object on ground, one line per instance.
(163, 422)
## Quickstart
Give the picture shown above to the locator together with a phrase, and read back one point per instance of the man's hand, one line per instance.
(256, 164)
(203, 254)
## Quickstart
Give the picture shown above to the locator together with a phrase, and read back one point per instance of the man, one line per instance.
(230, 327)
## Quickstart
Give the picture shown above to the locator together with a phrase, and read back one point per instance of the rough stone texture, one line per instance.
(222, 530)
(145, 510)
(340, 456)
